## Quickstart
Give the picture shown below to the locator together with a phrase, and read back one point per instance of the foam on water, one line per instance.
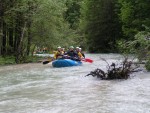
(37, 88)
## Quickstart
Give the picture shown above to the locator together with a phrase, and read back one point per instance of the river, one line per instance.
(38, 88)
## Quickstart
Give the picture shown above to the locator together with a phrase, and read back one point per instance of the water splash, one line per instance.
(37, 88)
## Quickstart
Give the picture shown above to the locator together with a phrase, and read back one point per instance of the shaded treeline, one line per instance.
(26, 24)
(96, 25)
(15, 27)
(105, 22)
(102, 25)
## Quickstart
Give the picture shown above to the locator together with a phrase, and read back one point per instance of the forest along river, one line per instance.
(38, 88)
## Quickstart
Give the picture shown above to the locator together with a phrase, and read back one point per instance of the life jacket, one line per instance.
(80, 55)
(62, 52)
(58, 53)
(83, 54)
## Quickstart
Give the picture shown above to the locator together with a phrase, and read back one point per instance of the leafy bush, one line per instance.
(147, 65)
(11, 60)
(7, 60)
(140, 46)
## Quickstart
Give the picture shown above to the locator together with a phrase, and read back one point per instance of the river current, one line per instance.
(38, 88)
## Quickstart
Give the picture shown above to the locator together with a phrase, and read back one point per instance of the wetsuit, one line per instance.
(73, 55)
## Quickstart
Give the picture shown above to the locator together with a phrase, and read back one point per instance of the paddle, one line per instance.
(87, 60)
(48, 61)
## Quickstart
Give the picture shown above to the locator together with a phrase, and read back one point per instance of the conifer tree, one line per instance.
(102, 27)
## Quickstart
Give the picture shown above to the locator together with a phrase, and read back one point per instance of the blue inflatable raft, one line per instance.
(66, 63)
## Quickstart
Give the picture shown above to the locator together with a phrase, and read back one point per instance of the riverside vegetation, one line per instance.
(100, 26)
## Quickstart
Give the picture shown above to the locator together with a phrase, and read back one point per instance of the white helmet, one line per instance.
(71, 47)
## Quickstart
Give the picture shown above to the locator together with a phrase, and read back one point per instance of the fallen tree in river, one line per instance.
(115, 71)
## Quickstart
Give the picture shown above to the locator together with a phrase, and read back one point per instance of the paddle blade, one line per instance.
(50, 59)
(46, 62)
(87, 60)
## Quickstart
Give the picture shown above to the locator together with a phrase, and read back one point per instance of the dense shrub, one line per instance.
(147, 65)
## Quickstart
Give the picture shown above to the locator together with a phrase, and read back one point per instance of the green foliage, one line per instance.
(34, 22)
(16, 19)
(72, 14)
(7, 60)
(11, 60)
(101, 24)
(133, 14)
(140, 46)
(85, 23)
(124, 47)
(135, 18)
(49, 27)
(32, 59)
(148, 65)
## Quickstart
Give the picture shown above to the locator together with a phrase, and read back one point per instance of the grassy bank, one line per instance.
(8, 60)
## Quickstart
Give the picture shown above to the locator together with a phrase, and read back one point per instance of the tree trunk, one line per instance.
(1, 26)
(30, 13)
(17, 34)
(29, 37)
(32, 51)
(19, 52)
(4, 39)
(1, 37)
(11, 43)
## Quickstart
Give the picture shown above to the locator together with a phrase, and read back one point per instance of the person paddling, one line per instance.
(79, 53)
(72, 54)
(58, 54)
(80, 50)
(63, 50)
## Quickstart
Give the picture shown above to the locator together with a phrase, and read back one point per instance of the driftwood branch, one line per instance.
(122, 71)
